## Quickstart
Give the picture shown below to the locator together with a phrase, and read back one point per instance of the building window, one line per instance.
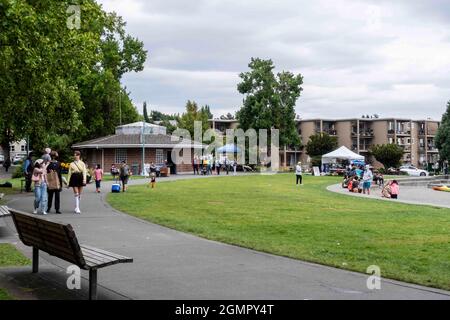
(159, 156)
(22, 148)
(121, 155)
(13, 148)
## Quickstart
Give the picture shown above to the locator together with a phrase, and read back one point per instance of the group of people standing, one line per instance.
(206, 165)
(46, 175)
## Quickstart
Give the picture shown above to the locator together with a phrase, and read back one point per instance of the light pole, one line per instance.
(143, 148)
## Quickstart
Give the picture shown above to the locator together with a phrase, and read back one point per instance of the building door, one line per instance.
(171, 162)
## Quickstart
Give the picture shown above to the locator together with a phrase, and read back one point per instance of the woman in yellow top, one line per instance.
(77, 178)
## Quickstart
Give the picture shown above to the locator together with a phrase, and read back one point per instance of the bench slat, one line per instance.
(97, 258)
(100, 251)
(4, 211)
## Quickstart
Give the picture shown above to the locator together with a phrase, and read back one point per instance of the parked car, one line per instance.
(413, 171)
(18, 158)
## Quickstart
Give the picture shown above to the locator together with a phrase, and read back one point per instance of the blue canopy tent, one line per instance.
(229, 148)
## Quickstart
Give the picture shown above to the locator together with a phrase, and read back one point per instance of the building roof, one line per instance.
(366, 119)
(134, 141)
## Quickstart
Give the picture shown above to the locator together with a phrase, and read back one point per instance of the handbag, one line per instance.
(53, 182)
(35, 177)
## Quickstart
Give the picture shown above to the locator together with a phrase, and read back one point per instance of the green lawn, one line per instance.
(271, 214)
(4, 295)
(9, 257)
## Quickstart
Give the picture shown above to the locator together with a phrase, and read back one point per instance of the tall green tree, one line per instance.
(320, 144)
(443, 135)
(58, 80)
(389, 155)
(269, 100)
(193, 113)
(146, 118)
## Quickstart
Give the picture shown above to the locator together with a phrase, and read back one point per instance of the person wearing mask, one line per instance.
(77, 179)
(299, 173)
(367, 180)
(54, 166)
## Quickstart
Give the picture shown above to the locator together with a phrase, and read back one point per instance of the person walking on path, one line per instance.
(218, 165)
(77, 179)
(125, 175)
(54, 191)
(98, 176)
(28, 172)
(40, 187)
(299, 174)
(367, 180)
(195, 165)
(153, 180)
(7, 164)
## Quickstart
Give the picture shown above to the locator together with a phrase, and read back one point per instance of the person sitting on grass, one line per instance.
(356, 185)
(386, 191)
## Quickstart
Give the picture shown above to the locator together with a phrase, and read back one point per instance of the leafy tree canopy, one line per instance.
(269, 100)
(61, 81)
(320, 144)
(443, 135)
(389, 155)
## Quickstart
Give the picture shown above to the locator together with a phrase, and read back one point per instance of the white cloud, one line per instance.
(357, 56)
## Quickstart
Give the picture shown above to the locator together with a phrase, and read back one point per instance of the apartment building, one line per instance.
(416, 137)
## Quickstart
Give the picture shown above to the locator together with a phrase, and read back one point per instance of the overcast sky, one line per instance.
(357, 56)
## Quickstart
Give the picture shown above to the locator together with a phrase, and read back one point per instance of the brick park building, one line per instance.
(127, 145)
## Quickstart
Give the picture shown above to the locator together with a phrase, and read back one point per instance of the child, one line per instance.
(394, 189)
(153, 180)
(98, 175)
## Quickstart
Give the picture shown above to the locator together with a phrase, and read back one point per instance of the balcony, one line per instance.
(331, 132)
(403, 133)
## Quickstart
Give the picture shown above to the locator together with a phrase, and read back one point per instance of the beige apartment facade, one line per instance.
(416, 137)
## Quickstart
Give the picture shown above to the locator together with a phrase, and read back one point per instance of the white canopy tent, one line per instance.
(342, 153)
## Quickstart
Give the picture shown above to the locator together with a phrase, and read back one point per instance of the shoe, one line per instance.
(34, 211)
(77, 211)
(58, 212)
(44, 213)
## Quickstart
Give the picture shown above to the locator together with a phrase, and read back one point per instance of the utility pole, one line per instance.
(143, 147)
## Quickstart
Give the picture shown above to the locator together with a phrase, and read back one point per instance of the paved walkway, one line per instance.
(174, 265)
(411, 195)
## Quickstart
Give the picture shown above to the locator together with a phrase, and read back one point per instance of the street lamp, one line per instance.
(143, 148)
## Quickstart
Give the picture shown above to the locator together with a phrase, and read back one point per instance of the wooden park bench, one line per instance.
(4, 211)
(59, 240)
